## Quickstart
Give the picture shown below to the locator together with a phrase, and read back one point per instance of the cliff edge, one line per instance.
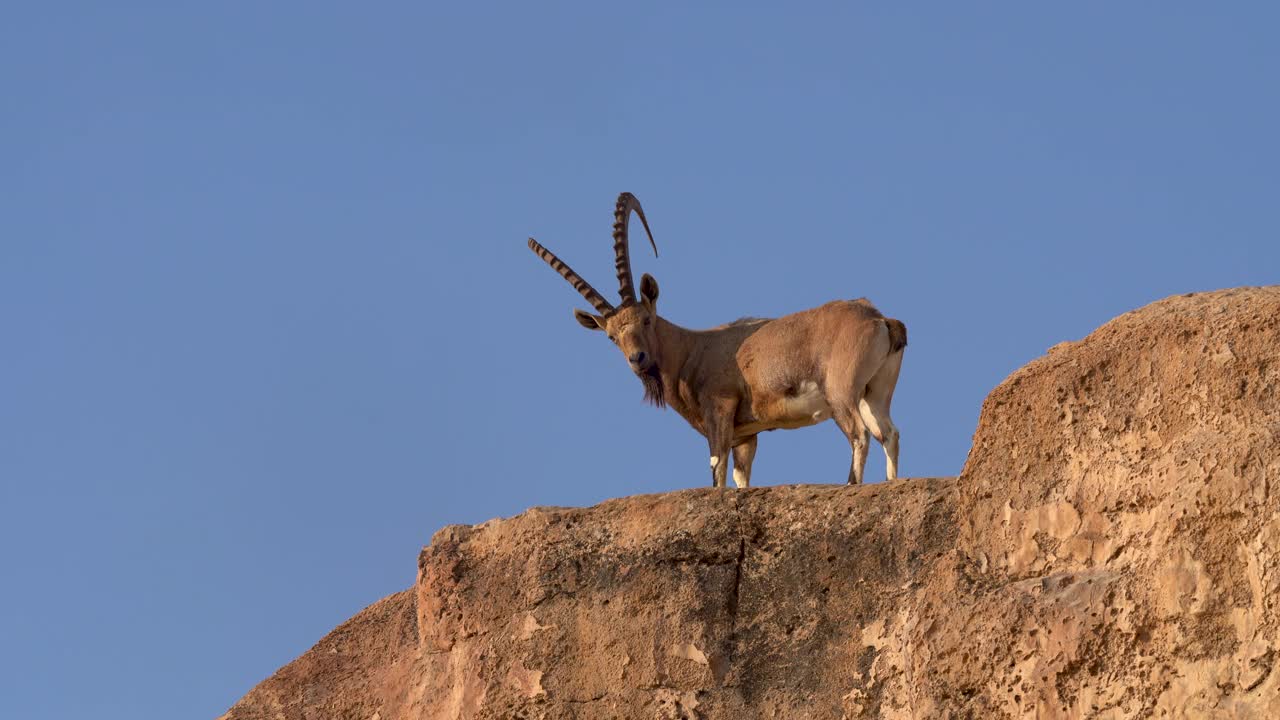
(1111, 549)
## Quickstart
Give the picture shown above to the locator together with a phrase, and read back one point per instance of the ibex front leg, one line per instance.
(720, 439)
(743, 453)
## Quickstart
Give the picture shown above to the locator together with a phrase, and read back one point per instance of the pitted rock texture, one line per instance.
(1111, 550)
(1118, 505)
(700, 603)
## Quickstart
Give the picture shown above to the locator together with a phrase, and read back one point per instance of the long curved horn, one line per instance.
(597, 301)
(622, 262)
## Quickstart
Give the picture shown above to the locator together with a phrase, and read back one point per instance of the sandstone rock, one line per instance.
(1118, 495)
(1111, 550)
(365, 669)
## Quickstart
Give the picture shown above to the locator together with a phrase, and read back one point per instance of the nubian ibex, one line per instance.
(839, 361)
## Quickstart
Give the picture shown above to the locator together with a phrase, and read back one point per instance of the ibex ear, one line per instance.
(648, 290)
(587, 320)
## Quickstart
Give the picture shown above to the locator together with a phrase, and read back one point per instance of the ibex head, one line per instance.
(632, 325)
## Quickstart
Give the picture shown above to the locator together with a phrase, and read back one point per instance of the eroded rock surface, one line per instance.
(1118, 510)
(1110, 550)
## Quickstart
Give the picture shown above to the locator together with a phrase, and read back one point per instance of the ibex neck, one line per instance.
(674, 341)
(679, 347)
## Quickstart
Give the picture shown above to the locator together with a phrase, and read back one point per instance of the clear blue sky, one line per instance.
(269, 320)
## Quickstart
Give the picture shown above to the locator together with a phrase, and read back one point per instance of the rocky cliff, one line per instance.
(1111, 549)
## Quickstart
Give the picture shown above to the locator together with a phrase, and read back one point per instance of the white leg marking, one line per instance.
(715, 460)
(739, 477)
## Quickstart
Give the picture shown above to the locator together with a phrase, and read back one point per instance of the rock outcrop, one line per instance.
(1111, 549)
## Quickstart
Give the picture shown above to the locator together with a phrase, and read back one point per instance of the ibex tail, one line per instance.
(897, 334)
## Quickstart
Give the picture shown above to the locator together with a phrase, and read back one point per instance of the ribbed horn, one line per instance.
(597, 301)
(622, 262)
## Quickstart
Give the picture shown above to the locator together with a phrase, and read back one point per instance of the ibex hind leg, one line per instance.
(874, 410)
(851, 425)
(845, 383)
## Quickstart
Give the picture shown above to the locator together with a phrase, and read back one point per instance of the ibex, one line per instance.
(839, 361)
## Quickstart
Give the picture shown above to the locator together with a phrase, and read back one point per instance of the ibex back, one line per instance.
(839, 361)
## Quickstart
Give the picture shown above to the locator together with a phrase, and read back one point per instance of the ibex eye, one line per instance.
(648, 321)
